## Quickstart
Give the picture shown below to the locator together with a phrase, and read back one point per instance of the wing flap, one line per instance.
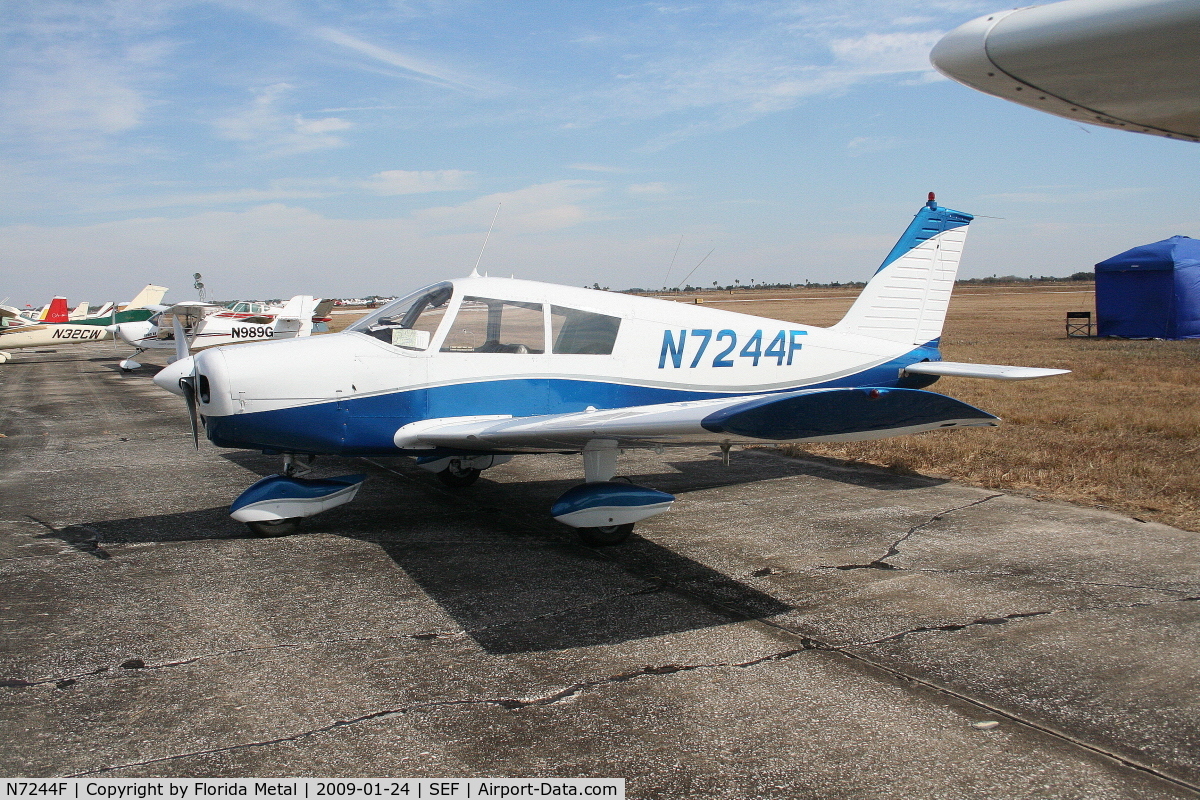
(999, 372)
(810, 415)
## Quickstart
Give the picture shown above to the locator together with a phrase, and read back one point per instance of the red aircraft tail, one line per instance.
(58, 311)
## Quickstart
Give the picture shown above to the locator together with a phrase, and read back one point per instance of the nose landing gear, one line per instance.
(277, 504)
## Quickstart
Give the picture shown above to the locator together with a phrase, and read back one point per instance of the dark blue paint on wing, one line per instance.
(835, 412)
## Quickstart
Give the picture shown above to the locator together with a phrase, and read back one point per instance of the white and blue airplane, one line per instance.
(465, 374)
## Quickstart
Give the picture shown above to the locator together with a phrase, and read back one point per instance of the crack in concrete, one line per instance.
(507, 703)
(1048, 579)
(63, 681)
(809, 643)
(894, 549)
(953, 627)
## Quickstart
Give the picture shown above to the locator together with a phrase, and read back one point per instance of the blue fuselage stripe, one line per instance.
(367, 425)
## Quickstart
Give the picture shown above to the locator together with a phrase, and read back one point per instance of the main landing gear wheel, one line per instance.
(269, 528)
(606, 534)
(456, 476)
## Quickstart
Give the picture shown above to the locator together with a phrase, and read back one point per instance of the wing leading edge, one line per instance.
(999, 372)
(854, 414)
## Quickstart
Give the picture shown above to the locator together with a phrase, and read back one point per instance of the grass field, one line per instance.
(1122, 431)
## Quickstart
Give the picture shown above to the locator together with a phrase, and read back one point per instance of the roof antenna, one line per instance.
(672, 265)
(475, 271)
(685, 277)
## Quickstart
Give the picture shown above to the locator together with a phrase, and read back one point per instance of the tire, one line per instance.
(457, 477)
(605, 535)
(267, 529)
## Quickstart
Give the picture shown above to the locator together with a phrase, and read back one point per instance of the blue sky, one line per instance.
(349, 148)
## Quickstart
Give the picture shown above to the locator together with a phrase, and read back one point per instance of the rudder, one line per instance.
(906, 299)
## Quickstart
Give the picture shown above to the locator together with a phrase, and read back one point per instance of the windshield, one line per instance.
(411, 321)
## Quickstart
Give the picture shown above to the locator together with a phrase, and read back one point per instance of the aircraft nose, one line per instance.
(168, 377)
(113, 329)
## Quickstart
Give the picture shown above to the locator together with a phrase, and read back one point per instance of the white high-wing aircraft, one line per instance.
(55, 325)
(1126, 64)
(208, 325)
(465, 374)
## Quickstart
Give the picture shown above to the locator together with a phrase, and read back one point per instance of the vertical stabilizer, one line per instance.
(149, 296)
(906, 300)
(57, 311)
(81, 310)
(296, 317)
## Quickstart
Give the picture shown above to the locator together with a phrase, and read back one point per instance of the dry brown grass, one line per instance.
(1122, 431)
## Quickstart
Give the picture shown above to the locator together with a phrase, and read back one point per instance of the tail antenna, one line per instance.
(475, 271)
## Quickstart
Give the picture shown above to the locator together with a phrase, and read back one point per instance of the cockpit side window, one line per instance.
(409, 325)
(583, 332)
(485, 325)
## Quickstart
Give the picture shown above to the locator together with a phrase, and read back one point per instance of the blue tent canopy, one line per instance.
(1151, 291)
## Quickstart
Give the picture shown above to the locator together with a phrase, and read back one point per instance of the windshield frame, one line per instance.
(406, 305)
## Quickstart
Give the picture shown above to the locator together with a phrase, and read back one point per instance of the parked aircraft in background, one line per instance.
(208, 325)
(53, 324)
(465, 374)
(1127, 64)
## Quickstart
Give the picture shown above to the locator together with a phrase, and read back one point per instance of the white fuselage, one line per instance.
(350, 392)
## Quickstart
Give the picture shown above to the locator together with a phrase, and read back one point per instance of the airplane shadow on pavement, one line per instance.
(510, 579)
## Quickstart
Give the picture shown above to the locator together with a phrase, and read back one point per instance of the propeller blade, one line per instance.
(181, 342)
(188, 384)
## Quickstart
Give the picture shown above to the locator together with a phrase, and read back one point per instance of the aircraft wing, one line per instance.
(999, 372)
(193, 305)
(850, 414)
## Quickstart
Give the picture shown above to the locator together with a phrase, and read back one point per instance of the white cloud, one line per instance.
(657, 187)
(67, 93)
(277, 250)
(540, 208)
(887, 53)
(398, 181)
(861, 145)
(234, 197)
(264, 123)
(412, 68)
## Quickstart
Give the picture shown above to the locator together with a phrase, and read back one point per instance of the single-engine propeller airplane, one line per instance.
(56, 325)
(208, 325)
(467, 373)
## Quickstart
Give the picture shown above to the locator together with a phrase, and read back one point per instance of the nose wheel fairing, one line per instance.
(279, 497)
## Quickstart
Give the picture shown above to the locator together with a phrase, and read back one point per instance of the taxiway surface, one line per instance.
(791, 629)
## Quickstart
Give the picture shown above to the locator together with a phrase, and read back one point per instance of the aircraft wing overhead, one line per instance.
(847, 414)
(999, 372)
(190, 306)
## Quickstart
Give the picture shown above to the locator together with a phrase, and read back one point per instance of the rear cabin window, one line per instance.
(583, 332)
(485, 325)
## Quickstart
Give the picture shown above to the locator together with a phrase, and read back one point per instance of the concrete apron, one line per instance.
(790, 629)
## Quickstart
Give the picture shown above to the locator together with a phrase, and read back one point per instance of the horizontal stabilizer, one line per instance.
(998, 372)
(808, 415)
